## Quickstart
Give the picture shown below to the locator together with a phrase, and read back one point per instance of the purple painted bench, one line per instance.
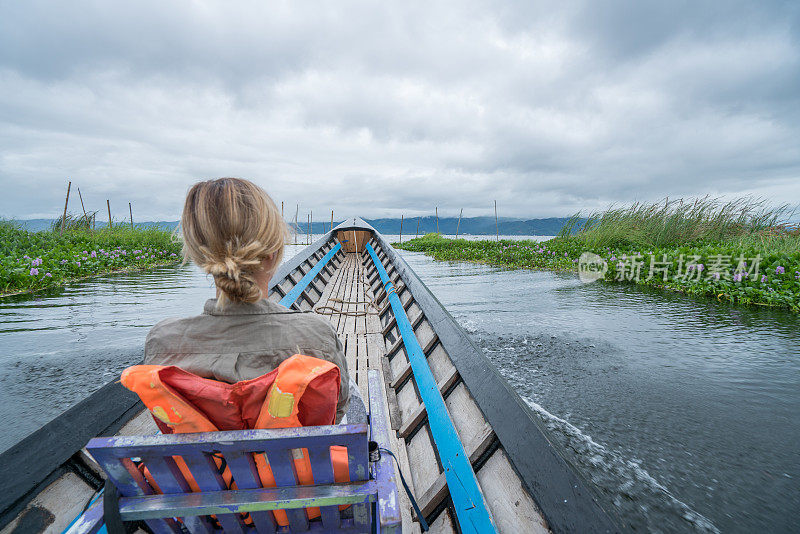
(371, 493)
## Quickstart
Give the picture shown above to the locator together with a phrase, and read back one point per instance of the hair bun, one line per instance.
(233, 274)
(229, 227)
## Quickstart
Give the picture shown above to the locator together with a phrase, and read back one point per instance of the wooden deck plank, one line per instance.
(350, 296)
(510, 503)
(61, 501)
(365, 349)
(362, 363)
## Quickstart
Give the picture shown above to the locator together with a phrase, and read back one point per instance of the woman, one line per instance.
(233, 230)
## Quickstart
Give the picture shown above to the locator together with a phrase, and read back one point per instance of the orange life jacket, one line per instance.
(302, 391)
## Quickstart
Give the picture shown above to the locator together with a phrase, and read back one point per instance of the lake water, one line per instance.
(683, 412)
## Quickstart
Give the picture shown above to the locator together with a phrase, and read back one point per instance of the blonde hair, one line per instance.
(229, 227)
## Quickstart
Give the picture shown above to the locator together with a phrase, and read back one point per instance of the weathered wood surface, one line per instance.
(37, 462)
(475, 433)
(54, 508)
(365, 349)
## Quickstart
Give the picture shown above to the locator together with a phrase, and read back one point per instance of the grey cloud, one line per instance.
(380, 109)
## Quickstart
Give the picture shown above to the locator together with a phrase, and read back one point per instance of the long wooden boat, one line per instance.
(470, 447)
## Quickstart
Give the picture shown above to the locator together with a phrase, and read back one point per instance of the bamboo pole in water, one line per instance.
(331, 220)
(310, 227)
(108, 205)
(282, 210)
(296, 223)
(496, 224)
(130, 208)
(418, 220)
(401, 229)
(437, 219)
(66, 202)
(459, 221)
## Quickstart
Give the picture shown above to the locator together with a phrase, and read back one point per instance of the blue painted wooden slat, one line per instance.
(388, 503)
(129, 482)
(322, 469)
(231, 440)
(471, 509)
(243, 469)
(292, 295)
(282, 464)
(292, 498)
(170, 480)
(206, 475)
(358, 465)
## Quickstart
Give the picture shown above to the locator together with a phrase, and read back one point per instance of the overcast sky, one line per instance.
(383, 108)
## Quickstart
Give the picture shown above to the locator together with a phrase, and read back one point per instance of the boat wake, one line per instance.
(625, 479)
(643, 502)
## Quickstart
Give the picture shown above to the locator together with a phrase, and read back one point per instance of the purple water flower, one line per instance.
(716, 276)
(763, 278)
(737, 277)
(93, 254)
(78, 263)
(779, 270)
(63, 262)
(701, 267)
(34, 271)
(48, 275)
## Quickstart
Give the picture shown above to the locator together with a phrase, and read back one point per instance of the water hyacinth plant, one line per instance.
(35, 260)
(738, 251)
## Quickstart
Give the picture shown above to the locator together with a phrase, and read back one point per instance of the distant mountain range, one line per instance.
(411, 226)
(471, 225)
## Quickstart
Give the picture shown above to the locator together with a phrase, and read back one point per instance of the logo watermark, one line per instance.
(685, 267)
(591, 267)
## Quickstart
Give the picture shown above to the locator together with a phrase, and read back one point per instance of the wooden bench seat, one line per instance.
(371, 492)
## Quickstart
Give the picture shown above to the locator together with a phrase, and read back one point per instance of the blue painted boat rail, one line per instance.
(298, 288)
(470, 506)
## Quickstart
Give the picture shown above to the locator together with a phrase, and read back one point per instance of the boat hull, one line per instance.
(525, 481)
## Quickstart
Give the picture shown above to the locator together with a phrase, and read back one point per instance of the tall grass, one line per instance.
(685, 222)
(741, 251)
(73, 222)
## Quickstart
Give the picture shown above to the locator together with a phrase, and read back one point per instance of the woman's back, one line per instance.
(243, 341)
(234, 232)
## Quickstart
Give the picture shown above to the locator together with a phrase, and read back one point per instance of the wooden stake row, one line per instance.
(86, 215)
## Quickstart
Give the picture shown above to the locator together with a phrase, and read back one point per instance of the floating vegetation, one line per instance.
(30, 261)
(739, 251)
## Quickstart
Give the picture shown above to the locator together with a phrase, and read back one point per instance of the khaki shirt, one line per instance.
(245, 341)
